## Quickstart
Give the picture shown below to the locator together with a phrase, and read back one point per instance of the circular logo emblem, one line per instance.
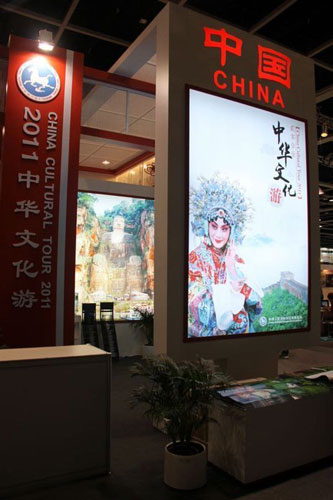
(38, 80)
(263, 321)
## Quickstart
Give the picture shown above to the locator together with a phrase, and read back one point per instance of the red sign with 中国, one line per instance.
(272, 65)
(38, 195)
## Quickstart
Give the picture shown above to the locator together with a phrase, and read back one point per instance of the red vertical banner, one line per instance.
(38, 195)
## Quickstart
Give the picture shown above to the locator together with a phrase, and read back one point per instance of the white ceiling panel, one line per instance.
(150, 116)
(116, 103)
(106, 120)
(94, 100)
(82, 158)
(88, 148)
(115, 154)
(140, 105)
(142, 128)
(147, 73)
(97, 163)
(152, 60)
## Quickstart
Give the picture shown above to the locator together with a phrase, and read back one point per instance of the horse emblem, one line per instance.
(40, 83)
(38, 80)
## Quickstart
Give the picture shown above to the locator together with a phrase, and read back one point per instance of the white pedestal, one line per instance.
(55, 415)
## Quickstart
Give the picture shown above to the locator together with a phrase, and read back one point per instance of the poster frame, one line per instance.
(111, 193)
(186, 339)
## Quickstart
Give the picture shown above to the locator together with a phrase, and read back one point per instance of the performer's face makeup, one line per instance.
(219, 232)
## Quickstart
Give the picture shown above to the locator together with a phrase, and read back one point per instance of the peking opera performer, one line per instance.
(221, 301)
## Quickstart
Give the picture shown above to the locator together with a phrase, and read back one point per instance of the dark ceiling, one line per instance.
(103, 29)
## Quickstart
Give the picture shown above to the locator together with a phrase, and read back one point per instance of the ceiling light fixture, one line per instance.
(324, 132)
(149, 168)
(45, 41)
(106, 162)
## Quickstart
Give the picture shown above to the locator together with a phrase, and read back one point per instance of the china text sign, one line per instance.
(271, 66)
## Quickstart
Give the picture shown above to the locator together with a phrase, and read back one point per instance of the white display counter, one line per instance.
(55, 415)
(130, 340)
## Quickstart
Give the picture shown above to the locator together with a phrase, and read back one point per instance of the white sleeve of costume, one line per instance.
(243, 272)
(227, 302)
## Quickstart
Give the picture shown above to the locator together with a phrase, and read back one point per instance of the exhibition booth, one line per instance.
(222, 242)
(233, 273)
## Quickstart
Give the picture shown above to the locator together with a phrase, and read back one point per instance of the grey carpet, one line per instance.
(137, 463)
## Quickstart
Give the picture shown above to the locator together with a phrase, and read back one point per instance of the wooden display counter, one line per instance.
(55, 415)
(254, 443)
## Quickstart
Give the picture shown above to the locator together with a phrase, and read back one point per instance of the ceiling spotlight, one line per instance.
(45, 41)
(324, 132)
(106, 162)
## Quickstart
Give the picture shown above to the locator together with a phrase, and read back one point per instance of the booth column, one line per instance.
(183, 58)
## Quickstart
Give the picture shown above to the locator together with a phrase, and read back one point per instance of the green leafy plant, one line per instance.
(145, 322)
(178, 394)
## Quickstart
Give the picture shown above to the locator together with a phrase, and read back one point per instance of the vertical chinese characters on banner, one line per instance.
(42, 126)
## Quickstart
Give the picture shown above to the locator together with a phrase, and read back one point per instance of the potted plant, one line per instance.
(180, 395)
(145, 322)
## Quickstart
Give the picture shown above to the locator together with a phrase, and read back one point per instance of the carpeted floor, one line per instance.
(137, 457)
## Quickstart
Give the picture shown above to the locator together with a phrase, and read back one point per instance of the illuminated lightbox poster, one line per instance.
(248, 221)
(114, 253)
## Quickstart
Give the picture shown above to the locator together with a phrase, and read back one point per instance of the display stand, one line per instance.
(55, 415)
(254, 443)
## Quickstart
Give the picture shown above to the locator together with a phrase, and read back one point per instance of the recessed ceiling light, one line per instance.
(106, 162)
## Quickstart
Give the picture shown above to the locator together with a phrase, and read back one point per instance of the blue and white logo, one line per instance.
(38, 80)
(263, 321)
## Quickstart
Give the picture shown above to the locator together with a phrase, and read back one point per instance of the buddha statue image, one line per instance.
(117, 245)
(116, 268)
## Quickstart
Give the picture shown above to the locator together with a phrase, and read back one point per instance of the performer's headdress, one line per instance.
(217, 197)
